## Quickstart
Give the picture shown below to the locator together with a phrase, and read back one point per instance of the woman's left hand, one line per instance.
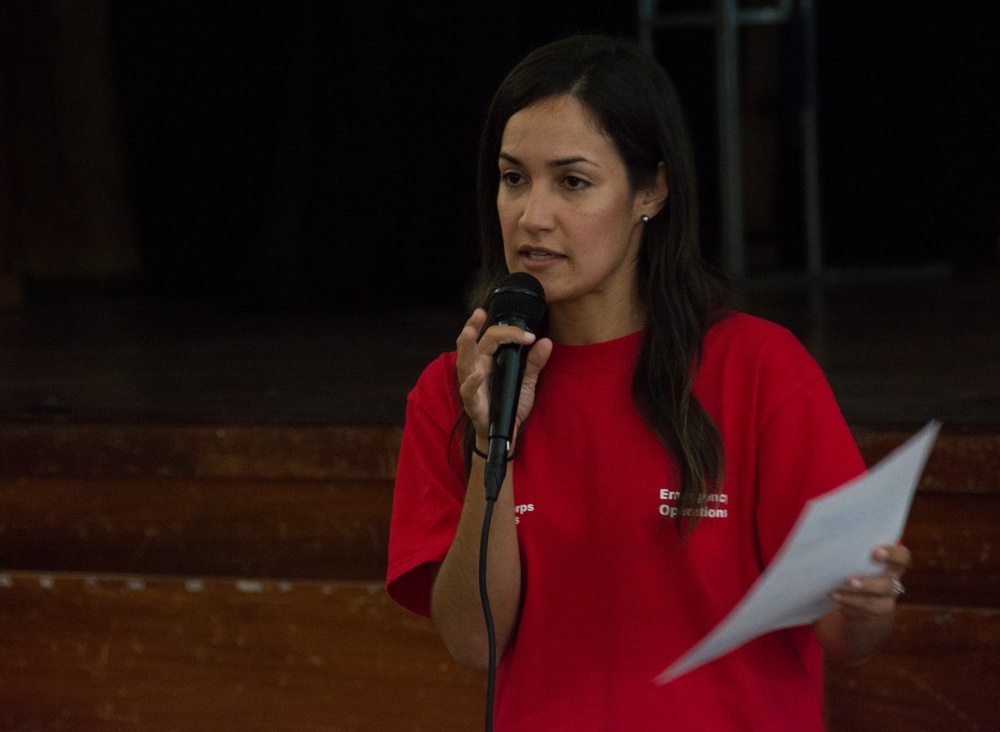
(870, 596)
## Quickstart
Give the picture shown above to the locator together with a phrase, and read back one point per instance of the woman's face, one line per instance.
(567, 212)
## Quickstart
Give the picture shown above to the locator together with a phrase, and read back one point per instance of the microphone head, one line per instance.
(518, 299)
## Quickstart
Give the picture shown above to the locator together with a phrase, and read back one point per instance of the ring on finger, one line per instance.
(897, 586)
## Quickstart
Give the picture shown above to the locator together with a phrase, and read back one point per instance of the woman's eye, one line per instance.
(574, 183)
(511, 178)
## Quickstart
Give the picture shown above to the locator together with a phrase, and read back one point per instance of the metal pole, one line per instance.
(730, 153)
(647, 12)
(810, 142)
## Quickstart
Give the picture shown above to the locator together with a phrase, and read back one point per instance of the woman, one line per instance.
(664, 444)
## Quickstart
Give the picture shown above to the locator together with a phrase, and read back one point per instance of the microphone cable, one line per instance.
(518, 300)
(491, 677)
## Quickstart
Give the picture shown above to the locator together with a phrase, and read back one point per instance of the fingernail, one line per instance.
(881, 553)
(855, 583)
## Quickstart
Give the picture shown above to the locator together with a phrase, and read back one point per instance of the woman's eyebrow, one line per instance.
(558, 163)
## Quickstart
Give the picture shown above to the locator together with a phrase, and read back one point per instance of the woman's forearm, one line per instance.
(852, 640)
(456, 606)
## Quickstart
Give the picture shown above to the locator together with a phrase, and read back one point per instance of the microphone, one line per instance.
(517, 300)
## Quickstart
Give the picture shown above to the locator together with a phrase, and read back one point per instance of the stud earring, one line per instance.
(645, 219)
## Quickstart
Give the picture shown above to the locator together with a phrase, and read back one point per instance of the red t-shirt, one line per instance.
(612, 594)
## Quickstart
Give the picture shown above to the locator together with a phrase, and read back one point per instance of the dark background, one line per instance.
(319, 155)
(320, 152)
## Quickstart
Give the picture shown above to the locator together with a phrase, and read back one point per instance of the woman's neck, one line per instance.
(576, 324)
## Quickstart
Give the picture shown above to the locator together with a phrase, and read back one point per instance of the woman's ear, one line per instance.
(653, 198)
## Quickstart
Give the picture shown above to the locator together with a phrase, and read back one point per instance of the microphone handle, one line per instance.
(505, 389)
(505, 392)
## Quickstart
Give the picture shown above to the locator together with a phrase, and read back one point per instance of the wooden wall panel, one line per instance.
(319, 529)
(329, 529)
(144, 653)
(962, 461)
(955, 543)
(940, 672)
(154, 653)
(257, 452)
(193, 576)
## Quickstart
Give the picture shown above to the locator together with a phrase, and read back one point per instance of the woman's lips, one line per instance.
(535, 254)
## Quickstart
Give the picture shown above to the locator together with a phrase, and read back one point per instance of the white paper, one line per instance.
(832, 540)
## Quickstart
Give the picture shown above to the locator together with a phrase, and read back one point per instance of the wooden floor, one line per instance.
(898, 351)
(194, 508)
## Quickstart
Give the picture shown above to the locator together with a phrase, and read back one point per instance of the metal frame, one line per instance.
(727, 19)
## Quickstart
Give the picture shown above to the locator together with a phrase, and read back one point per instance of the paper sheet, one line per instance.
(832, 540)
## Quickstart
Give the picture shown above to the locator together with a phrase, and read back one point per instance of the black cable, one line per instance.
(491, 678)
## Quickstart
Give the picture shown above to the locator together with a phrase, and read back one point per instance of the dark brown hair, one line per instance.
(634, 102)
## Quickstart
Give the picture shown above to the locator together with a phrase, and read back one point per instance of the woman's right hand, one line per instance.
(456, 605)
(475, 364)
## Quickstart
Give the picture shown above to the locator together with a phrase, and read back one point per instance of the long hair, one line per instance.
(634, 102)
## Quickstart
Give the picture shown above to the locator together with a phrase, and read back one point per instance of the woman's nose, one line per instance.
(538, 213)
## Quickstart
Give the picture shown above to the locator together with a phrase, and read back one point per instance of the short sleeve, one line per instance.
(786, 440)
(429, 489)
(804, 449)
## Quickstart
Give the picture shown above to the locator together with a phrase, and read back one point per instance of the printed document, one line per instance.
(832, 540)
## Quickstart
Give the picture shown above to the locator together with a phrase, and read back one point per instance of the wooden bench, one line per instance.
(230, 577)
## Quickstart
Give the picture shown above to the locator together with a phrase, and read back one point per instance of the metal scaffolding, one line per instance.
(727, 18)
